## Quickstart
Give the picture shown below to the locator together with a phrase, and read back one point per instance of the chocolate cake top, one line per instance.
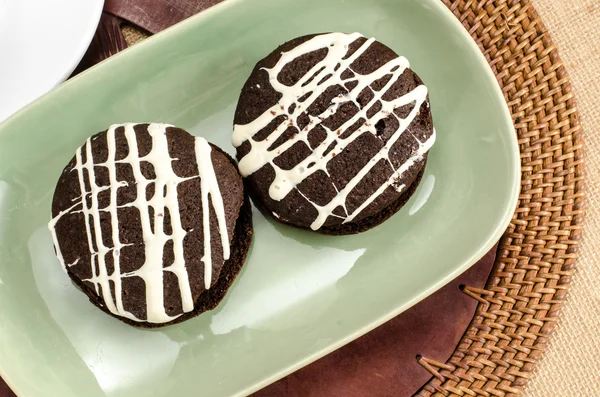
(144, 215)
(332, 128)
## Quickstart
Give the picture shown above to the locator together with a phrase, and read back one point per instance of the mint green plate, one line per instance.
(300, 295)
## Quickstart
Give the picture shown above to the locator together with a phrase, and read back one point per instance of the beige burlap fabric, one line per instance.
(132, 35)
(571, 365)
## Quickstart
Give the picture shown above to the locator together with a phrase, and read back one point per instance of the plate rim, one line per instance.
(497, 233)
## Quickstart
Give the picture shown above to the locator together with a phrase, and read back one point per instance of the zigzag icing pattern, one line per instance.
(328, 73)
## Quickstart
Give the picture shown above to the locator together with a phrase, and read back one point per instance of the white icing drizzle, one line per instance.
(210, 187)
(154, 238)
(311, 86)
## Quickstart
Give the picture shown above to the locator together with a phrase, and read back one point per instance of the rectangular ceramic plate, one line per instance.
(301, 294)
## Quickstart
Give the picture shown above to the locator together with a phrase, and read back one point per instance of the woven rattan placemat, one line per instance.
(571, 365)
(522, 300)
(520, 305)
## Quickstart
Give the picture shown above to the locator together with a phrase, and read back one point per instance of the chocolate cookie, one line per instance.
(332, 132)
(151, 223)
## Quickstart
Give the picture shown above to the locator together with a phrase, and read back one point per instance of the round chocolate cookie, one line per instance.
(332, 132)
(151, 223)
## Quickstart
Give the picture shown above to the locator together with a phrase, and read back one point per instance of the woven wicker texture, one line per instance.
(571, 365)
(519, 307)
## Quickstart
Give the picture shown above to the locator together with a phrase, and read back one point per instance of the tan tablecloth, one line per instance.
(571, 365)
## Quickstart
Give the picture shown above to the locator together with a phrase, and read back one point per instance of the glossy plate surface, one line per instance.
(300, 295)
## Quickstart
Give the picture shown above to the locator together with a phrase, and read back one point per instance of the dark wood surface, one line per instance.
(5, 390)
